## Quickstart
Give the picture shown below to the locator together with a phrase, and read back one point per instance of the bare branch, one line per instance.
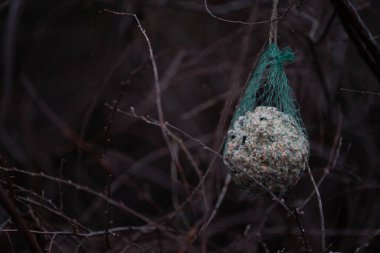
(243, 22)
(320, 207)
(16, 217)
(359, 34)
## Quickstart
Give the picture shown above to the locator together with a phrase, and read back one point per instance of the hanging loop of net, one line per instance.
(269, 85)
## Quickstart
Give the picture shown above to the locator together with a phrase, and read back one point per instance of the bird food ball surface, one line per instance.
(269, 146)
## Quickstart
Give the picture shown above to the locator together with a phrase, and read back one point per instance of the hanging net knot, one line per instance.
(269, 85)
(280, 56)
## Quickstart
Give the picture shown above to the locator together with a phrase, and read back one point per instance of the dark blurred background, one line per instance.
(66, 65)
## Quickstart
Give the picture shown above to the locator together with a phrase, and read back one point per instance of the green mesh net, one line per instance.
(269, 85)
(267, 142)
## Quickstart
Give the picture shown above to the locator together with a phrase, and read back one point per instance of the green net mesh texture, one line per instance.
(266, 141)
(269, 86)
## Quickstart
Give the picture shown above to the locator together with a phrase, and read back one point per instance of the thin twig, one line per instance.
(257, 233)
(157, 84)
(83, 188)
(243, 22)
(54, 117)
(155, 73)
(360, 91)
(11, 244)
(273, 24)
(62, 164)
(203, 106)
(222, 194)
(5, 223)
(359, 34)
(152, 121)
(52, 210)
(230, 6)
(77, 248)
(106, 170)
(194, 164)
(112, 231)
(332, 161)
(301, 227)
(51, 243)
(367, 242)
(12, 210)
(235, 78)
(321, 216)
(275, 230)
